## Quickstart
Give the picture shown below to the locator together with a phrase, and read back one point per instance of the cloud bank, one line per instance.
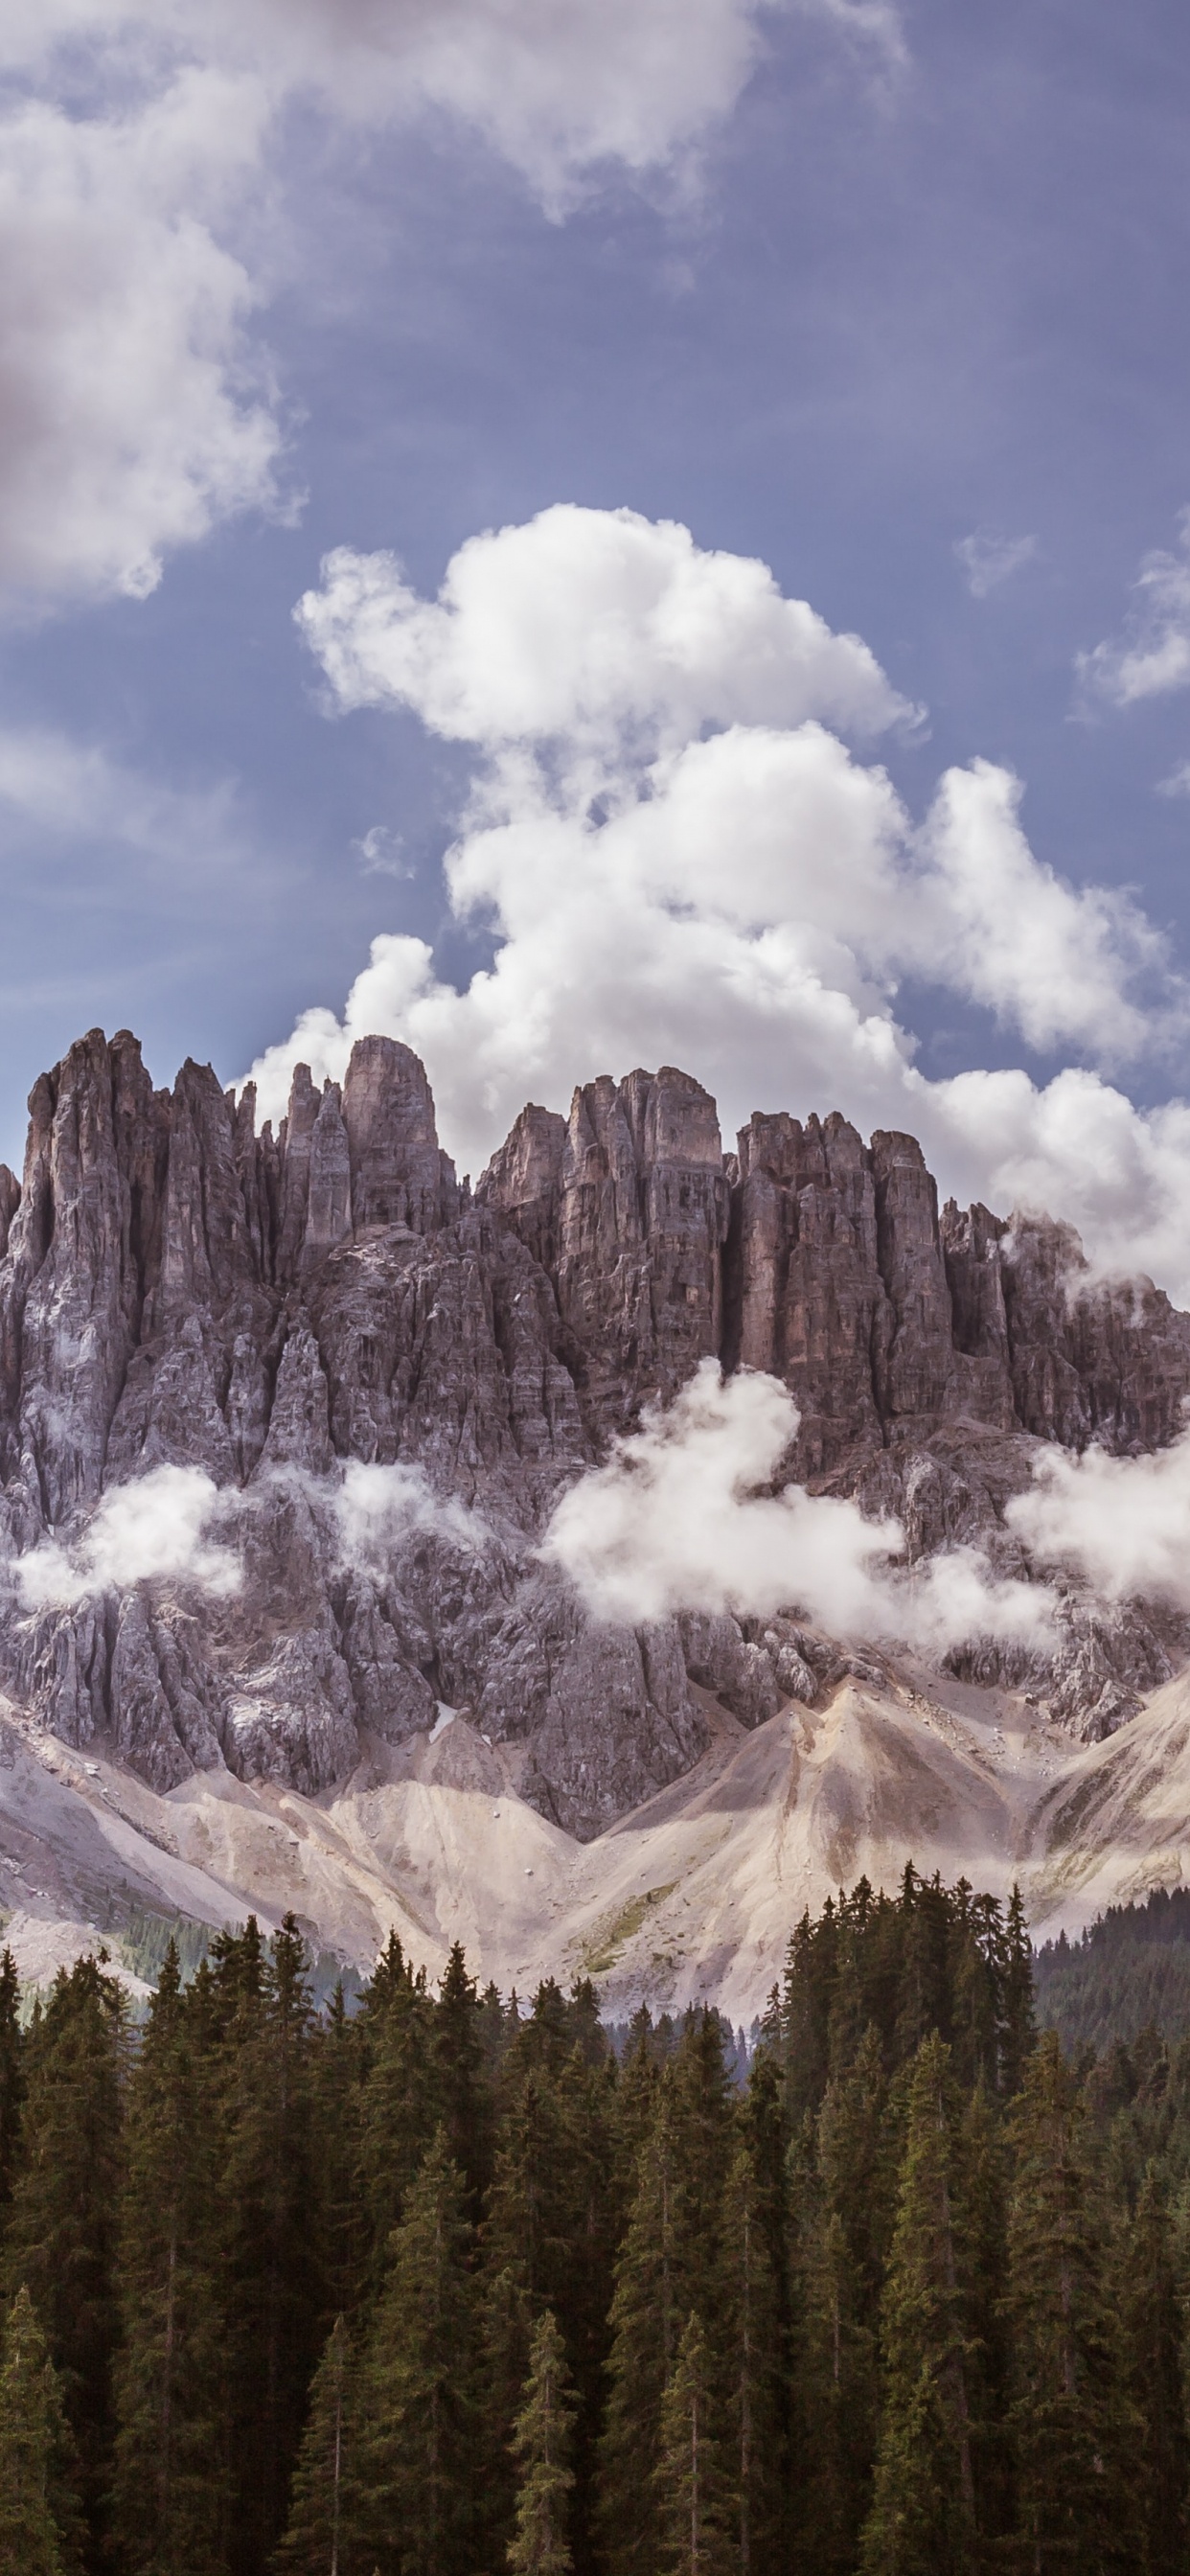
(680, 1518)
(679, 859)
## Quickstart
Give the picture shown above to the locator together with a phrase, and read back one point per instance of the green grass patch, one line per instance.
(605, 1946)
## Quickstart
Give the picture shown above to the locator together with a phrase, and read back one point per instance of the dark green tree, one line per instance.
(1072, 2427)
(12, 2083)
(418, 2448)
(694, 2503)
(396, 2112)
(60, 2243)
(40, 2523)
(1151, 2323)
(273, 2298)
(843, 2187)
(170, 2484)
(541, 2444)
(922, 2520)
(324, 2536)
(750, 2333)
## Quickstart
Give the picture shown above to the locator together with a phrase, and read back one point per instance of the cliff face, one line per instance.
(177, 1289)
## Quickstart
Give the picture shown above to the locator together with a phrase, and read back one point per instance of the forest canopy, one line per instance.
(452, 2284)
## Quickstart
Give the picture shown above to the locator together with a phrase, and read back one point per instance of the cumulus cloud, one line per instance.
(1152, 654)
(1122, 1523)
(129, 423)
(378, 1510)
(678, 859)
(589, 626)
(987, 561)
(681, 1517)
(155, 1529)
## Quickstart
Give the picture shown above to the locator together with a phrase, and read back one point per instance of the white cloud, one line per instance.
(382, 853)
(1152, 656)
(987, 561)
(743, 901)
(379, 1509)
(588, 625)
(135, 413)
(77, 793)
(127, 424)
(679, 1518)
(1122, 1523)
(1178, 781)
(998, 925)
(155, 1529)
(559, 91)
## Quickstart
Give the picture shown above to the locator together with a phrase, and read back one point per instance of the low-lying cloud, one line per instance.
(161, 1528)
(1123, 1524)
(175, 1525)
(682, 1516)
(379, 1510)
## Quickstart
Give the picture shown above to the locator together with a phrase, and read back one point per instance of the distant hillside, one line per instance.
(1131, 1968)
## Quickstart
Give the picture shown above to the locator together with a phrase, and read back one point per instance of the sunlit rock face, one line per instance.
(177, 1290)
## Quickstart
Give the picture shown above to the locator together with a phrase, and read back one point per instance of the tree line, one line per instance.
(452, 2286)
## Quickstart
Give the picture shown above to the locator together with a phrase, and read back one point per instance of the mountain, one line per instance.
(387, 1379)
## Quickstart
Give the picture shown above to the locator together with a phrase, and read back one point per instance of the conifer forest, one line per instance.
(449, 2285)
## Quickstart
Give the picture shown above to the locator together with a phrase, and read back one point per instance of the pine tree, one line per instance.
(1071, 2425)
(749, 2321)
(12, 2084)
(541, 2443)
(323, 2537)
(273, 2304)
(1150, 2318)
(169, 2482)
(845, 2195)
(1019, 2026)
(922, 2520)
(396, 2112)
(418, 2445)
(693, 2509)
(461, 2105)
(60, 2243)
(40, 2528)
(646, 2330)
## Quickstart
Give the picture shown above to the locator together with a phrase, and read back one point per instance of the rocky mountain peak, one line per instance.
(179, 1289)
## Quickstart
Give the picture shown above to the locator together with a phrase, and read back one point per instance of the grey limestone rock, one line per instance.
(179, 1289)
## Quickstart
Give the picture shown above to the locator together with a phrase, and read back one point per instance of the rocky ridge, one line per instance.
(177, 1289)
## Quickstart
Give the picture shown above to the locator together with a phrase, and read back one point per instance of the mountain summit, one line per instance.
(284, 1420)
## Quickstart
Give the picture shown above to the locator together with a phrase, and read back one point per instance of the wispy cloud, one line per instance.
(382, 854)
(1151, 655)
(988, 561)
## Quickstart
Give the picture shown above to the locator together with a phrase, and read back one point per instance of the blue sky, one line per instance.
(897, 310)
